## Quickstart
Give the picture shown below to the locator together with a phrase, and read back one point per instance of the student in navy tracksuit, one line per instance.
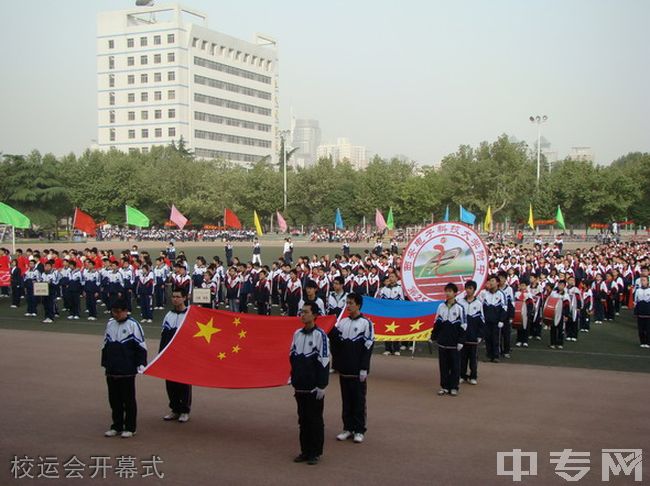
(124, 355)
(449, 331)
(32, 275)
(310, 363)
(262, 294)
(91, 281)
(145, 293)
(16, 284)
(74, 290)
(352, 341)
(473, 336)
(495, 313)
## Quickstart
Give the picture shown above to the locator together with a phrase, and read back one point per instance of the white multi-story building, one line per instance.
(163, 75)
(344, 150)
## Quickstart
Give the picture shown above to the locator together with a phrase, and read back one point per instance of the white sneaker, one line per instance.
(184, 417)
(70, 317)
(14, 306)
(111, 433)
(28, 314)
(442, 392)
(171, 416)
(47, 321)
(34, 314)
(453, 392)
(127, 434)
(397, 353)
(402, 348)
(462, 380)
(386, 353)
(560, 347)
(91, 318)
(525, 345)
(358, 438)
(473, 382)
(76, 317)
(345, 435)
(518, 345)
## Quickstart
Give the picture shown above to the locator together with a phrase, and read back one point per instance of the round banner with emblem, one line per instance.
(439, 254)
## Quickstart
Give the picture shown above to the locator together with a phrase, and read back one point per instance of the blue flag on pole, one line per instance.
(338, 222)
(446, 218)
(466, 216)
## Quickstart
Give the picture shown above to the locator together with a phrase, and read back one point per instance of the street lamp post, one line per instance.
(539, 120)
(283, 133)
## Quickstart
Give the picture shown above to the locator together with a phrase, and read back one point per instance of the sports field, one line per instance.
(592, 395)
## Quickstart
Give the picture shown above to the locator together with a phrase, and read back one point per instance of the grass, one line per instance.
(610, 346)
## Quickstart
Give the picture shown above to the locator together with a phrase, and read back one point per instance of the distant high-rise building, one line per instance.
(344, 150)
(306, 137)
(162, 75)
(581, 153)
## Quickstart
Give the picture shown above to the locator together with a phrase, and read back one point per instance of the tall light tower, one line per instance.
(539, 120)
(283, 135)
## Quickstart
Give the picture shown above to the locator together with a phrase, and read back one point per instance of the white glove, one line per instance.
(459, 346)
(479, 340)
(500, 325)
(510, 321)
(320, 393)
(141, 369)
(363, 375)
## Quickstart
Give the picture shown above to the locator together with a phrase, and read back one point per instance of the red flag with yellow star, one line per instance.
(230, 350)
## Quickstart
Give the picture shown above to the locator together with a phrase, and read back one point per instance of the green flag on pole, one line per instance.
(390, 223)
(136, 218)
(559, 219)
(9, 215)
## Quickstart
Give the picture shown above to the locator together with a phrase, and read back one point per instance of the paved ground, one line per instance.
(54, 404)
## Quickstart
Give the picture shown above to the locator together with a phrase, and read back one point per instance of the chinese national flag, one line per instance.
(84, 222)
(229, 350)
(230, 219)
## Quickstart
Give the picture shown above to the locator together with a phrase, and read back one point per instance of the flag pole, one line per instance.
(74, 220)
(13, 240)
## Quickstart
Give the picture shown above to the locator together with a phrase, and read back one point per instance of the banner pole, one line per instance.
(13, 240)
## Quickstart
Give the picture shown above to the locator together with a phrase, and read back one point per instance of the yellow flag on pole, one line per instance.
(531, 221)
(488, 219)
(258, 226)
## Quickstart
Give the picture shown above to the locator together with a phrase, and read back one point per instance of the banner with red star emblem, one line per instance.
(223, 349)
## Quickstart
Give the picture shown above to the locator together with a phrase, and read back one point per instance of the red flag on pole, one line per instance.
(177, 218)
(230, 219)
(84, 222)
(230, 350)
(282, 224)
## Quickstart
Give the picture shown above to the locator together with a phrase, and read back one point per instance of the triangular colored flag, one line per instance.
(488, 219)
(446, 218)
(84, 222)
(531, 220)
(559, 219)
(15, 218)
(223, 349)
(258, 226)
(390, 222)
(467, 217)
(380, 222)
(136, 218)
(177, 218)
(282, 224)
(230, 219)
(338, 221)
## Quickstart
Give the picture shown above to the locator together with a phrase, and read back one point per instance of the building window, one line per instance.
(130, 61)
(195, 40)
(111, 116)
(171, 132)
(157, 114)
(131, 97)
(111, 80)
(145, 150)
(131, 133)
(145, 133)
(170, 57)
(144, 114)
(157, 58)
(157, 95)
(131, 115)
(171, 76)
(170, 38)
(171, 113)
(111, 62)
(144, 78)
(144, 60)
(111, 135)
(144, 96)
(157, 77)
(111, 98)
(143, 42)
(171, 94)
(158, 132)
(111, 44)
(156, 40)
(130, 78)
(133, 150)
(129, 42)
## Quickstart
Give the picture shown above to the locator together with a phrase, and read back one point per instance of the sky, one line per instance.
(414, 78)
